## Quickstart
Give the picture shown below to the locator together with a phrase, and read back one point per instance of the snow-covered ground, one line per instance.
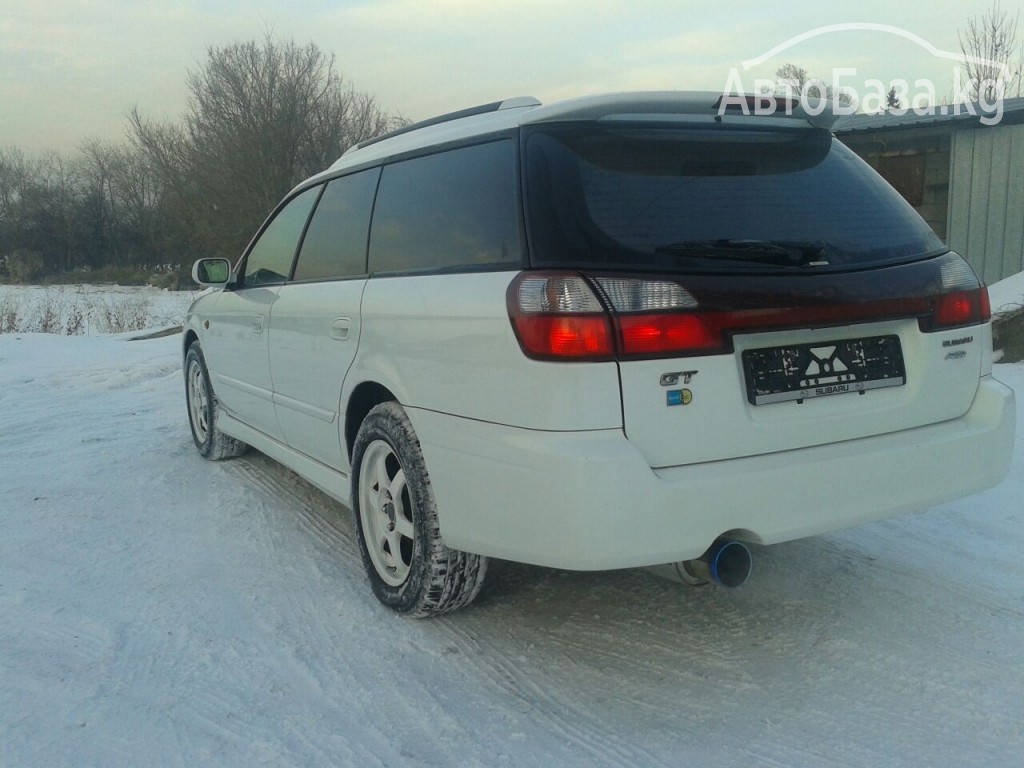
(160, 610)
(90, 309)
(1007, 295)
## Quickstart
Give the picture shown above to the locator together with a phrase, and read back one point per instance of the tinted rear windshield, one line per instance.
(681, 199)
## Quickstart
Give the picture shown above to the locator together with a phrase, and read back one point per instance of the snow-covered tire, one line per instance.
(203, 411)
(408, 565)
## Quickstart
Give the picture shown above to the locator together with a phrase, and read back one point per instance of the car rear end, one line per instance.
(796, 350)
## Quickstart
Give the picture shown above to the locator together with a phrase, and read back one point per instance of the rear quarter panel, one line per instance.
(445, 343)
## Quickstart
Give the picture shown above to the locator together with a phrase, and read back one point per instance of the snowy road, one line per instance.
(157, 609)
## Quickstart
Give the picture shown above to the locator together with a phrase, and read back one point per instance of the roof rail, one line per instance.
(494, 106)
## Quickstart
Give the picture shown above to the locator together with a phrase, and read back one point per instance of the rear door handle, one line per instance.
(340, 328)
(257, 324)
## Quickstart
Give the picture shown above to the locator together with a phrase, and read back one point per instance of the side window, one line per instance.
(335, 242)
(270, 258)
(451, 209)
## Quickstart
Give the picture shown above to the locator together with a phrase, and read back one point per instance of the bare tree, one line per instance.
(795, 76)
(123, 191)
(16, 173)
(261, 117)
(64, 193)
(100, 166)
(800, 82)
(995, 59)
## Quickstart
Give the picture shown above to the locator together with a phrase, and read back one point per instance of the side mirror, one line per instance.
(211, 272)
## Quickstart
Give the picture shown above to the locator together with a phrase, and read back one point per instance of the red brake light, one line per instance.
(964, 300)
(953, 309)
(969, 307)
(658, 334)
(557, 316)
(556, 337)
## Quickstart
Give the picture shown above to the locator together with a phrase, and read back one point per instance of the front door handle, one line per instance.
(257, 324)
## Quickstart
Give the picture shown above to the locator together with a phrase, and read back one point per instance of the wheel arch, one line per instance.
(187, 341)
(364, 397)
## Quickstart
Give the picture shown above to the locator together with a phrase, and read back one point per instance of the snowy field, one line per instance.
(88, 310)
(160, 610)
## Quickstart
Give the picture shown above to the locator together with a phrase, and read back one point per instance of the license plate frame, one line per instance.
(807, 371)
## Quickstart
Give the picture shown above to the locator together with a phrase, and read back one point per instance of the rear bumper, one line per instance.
(589, 501)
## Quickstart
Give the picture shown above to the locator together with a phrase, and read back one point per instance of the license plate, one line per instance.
(806, 371)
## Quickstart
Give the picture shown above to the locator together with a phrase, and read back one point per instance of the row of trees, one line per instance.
(261, 117)
(101, 208)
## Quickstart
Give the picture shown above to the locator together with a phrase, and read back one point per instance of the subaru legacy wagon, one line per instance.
(616, 331)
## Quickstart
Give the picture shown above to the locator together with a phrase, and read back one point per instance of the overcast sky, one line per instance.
(71, 70)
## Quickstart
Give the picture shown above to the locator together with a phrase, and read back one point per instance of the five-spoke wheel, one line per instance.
(387, 513)
(410, 568)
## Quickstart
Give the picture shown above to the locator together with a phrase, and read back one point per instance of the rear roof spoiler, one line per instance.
(655, 105)
(819, 113)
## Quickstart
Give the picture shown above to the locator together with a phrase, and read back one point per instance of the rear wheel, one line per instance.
(203, 410)
(408, 565)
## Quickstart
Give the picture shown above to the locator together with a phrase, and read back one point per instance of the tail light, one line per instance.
(961, 308)
(964, 301)
(571, 317)
(565, 316)
(558, 317)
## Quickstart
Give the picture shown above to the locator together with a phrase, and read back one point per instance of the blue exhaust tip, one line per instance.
(729, 563)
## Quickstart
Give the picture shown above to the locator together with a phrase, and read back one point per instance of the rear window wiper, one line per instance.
(787, 253)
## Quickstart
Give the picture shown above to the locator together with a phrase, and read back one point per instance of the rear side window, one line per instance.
(653, 198)
(453, 209)
(335, 242)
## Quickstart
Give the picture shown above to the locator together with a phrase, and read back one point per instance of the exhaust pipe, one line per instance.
(726, 562)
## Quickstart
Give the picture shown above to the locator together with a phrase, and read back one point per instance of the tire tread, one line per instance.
(449, 579)
(218, 445)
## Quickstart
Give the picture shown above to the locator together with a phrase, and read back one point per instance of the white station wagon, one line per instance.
(617, 331)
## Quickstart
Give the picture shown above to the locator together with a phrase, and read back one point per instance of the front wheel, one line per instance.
(203, 410)
(408, 565)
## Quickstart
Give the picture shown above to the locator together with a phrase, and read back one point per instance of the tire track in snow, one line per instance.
(635, 687)
(564, 716)
(681, 662)
(489, 650)
(881, 625)
(320, 623)
(315, 511)
(257, 508)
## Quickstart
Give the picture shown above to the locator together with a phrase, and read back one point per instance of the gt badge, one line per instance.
(668, 379)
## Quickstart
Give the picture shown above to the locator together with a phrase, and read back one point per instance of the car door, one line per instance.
(236, 339)
(315, 324)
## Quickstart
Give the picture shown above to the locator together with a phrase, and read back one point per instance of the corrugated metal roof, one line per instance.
(944, 115)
